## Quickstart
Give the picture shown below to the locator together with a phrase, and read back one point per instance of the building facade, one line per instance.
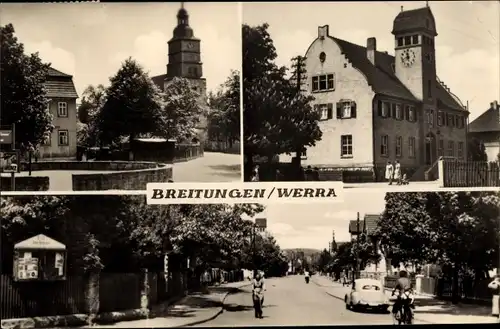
(376, 107)
(486, 129)
(184, 60)
(62, 105)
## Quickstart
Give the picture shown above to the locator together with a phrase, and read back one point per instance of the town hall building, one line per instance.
(184, 60)
(376, 107)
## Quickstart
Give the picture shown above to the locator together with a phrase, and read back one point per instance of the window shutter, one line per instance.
(379, 104)
(393, 110)
(353, 109)
(389, 110)
(330, 110)
(406, 113)
(339, 110)
(415, 116)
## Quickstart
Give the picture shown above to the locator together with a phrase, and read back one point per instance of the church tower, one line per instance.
(184, 60)
(414, 32)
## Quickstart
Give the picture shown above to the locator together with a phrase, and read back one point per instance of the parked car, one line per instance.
(367, 294)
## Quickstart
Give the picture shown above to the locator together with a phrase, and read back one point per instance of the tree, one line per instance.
(180, 113)
(476, 150)
(133, 104)
(456, 230)
(277, 118)
(224, 118)
(24, 98)
(93, 100)
(324, 260)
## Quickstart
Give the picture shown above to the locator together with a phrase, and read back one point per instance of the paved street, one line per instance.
(290, 301)
(212, 167)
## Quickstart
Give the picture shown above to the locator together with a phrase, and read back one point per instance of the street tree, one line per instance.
(180, 112)
(133, 104)
(93, 100)
(324, 260)
(224, 116)
(24, 97)
(277, 119)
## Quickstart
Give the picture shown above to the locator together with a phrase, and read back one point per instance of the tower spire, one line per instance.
(182, 5)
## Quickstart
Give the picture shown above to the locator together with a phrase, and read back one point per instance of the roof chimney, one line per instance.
(323, 32)
(494, 105)
(371, 49)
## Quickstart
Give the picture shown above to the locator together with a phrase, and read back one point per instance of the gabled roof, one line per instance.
(382, 78)
(59, 84)
(489, 121)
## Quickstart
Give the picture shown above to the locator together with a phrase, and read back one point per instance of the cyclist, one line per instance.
(403, 288)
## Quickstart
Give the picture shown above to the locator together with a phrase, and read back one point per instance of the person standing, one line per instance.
(258, 294)
(495, 288)
(389, 172)
(255, 174)
(397, 172)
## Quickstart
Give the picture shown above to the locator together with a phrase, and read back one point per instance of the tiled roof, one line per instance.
(382, 78)
(159, 80)
(353, 229)
(55, 73)
(486, 122)
(371, 221)
(415, 19)
(60, 84)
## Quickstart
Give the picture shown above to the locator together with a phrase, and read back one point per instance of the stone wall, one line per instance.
(122, 180)
(25, 183)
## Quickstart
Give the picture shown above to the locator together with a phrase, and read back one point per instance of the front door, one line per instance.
(428, 153)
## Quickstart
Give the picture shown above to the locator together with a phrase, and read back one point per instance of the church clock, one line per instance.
(408, 57)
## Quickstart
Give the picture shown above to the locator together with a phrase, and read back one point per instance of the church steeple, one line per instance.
(182, 30)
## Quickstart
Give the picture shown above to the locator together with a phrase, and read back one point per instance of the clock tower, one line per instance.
(414, 32)
(184, 61)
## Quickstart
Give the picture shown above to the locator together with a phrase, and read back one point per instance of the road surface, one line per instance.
(212, 167)
(290, 301)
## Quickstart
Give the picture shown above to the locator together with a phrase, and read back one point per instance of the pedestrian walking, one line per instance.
(308, 174)
(206, 279)
(495, 288)
(397, 172)
(389, 172)
(315, 174)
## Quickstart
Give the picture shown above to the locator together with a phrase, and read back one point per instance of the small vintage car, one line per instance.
(367, 294)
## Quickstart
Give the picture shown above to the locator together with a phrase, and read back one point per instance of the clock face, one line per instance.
(408, 57)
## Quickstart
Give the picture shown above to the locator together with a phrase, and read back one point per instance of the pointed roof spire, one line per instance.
(182, 5)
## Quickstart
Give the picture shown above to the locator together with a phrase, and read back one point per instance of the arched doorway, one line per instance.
(430, 149)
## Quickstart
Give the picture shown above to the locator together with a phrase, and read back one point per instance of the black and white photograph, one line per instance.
(113, 96)
(424, 258)
(394, 95)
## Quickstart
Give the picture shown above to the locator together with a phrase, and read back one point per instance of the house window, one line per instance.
(399, 112)
(323, 110)
(451, 148)
(440, 117)
(441, 147)
(460, 151)
(62, 109)
(460, 121)
(399, 146)
(407, 40)
(450, 120)
(400, 42)
(346, 146)
(346, 109)
(429, 88)
(384, 145)
(415, 39)
(323, 82)
(411, 147)
(386, 107)
(430, 117)
(410, 113)
(63, 137)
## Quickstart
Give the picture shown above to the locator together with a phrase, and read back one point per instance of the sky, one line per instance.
(467, 45)
(306, 226)
(91, 40)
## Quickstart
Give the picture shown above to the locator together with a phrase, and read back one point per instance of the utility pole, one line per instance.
(298, 64)
(357, 246)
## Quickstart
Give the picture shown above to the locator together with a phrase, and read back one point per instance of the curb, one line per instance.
(219, 312)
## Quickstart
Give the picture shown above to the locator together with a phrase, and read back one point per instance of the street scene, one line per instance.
(154, 105)
(246, 265)
(385, 102)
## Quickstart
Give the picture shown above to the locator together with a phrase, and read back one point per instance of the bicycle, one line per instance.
(404, 315)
